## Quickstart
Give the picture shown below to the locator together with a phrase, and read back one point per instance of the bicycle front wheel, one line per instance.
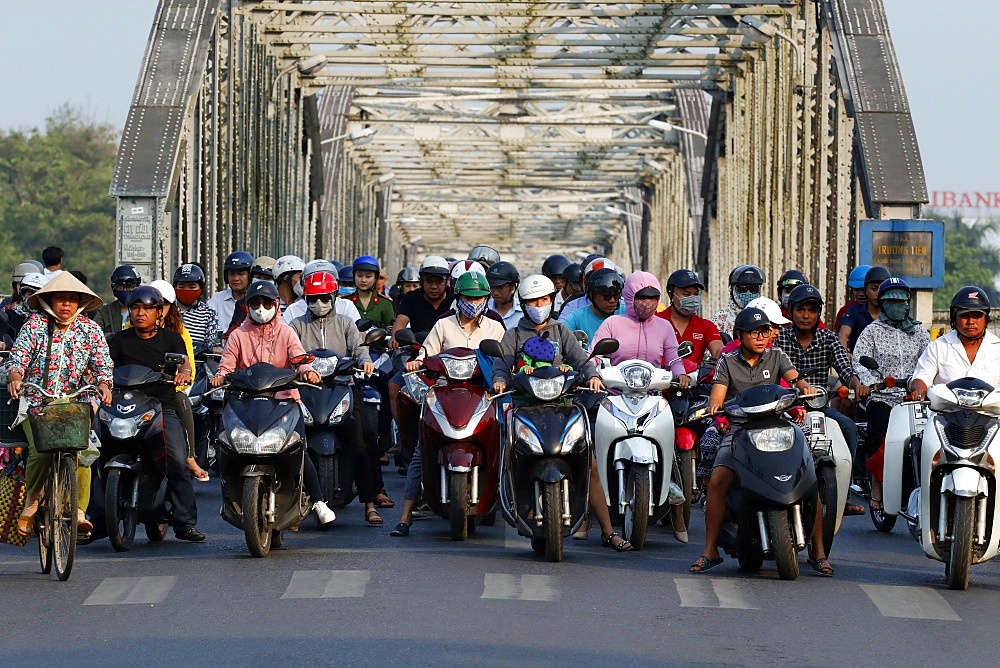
(62, 515)
(42, 528)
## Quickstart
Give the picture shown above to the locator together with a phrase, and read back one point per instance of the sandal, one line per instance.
(382, 500)
(704, 564)
(83, 525)
(821, 566)
(876, 505)
(853, 509)
(26, 522)
(373, 518)
(609, 541)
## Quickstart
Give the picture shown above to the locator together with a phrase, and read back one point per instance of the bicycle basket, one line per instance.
(60, 425)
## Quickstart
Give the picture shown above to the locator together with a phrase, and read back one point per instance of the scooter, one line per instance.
(261, 457)
(206, 403)
(690, 422)
(545, 474)
(132, 455)
(376, 418)
(634, 445)
(959, 515)
(771, 506)
(411, 396)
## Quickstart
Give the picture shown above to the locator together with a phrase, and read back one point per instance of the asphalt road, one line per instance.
(354, 596)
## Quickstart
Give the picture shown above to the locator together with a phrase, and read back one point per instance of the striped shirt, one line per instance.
(201, 322)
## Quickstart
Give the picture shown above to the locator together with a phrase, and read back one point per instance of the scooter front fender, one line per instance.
(964, 481)
(842, 464)
(460, 460)
(124, 462)
(323, 441)
(640, 450)
(550, 470)
(257, 471)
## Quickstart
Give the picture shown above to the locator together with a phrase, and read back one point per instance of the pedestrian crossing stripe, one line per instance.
(519, 587)
(699, 592)
(328, 584)
(125, 591)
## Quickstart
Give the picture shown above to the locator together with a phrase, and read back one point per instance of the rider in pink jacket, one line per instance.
(640, 335)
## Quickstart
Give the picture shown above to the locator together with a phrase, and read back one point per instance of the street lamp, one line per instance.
(666, 126)
(305, 66)
(761, 31)
(356, 137)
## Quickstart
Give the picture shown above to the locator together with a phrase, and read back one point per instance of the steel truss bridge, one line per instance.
(664, 134)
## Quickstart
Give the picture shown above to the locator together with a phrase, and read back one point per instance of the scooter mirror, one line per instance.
(605, 346)
(305, 358)
(374, 337)
(405, 337)
(582, 337)
(364, 324)
(685, 349)
(491, 348)
(869, 363)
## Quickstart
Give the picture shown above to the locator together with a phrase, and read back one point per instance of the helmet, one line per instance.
(472, 284)
(408, 275)
(601, 263)
(147, 295)
(555, 265)
(502, 273)
(464, 266)
(750, 319)
(969, 298)
(856, 279)
(265, 289)
(319, 265)
(535, 286)
(587, 260)
(434, 265)
(346, 275)
(321, 283)
(573, 273)
(484, 254)
(39, 267)
(189, 273)
(338, 265)
(263, 265)
(539, 350)
(683, 278)
(366, 263)
(876, 275)
(790, 279)
(286, 264)
(605, 282)
(771, 309)
(893, 288)
(238, 260)
(164, 289)
(125, 272)
(34, 281)
(746, 274)
(22, 270)
(804, 293)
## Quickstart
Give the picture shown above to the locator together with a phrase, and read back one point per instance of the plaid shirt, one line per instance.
(824, 352)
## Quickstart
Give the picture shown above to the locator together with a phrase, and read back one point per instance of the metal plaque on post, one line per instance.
(136, 233)
(910, 249)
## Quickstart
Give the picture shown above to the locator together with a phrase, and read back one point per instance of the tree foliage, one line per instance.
(970, 257)
(54, 192)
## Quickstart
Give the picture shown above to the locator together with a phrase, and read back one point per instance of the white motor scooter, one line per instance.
(903, 437)
(832, 459)
(634, 437)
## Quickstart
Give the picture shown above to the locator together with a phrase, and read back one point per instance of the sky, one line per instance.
(88, 52)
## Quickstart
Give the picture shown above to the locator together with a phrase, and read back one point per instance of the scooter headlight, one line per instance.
(122, 429)
(416, 388)
(324, 366)
(546, 389)
(242, 439)
(341, 410)
(459, 368)
(637, 376)
(307, 417)
(218, 394)
(525, 434)
(573, 436)
(774, 439)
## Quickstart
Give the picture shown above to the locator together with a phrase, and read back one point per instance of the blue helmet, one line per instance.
(366, 263)
(857, 278)
(238, 260)
(346, 274)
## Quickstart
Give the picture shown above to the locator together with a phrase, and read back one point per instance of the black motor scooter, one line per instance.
(206, 404)
(545, 468)
(771, 506)
(261, 456)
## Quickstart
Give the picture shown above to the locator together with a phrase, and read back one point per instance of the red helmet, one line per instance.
(320, 283)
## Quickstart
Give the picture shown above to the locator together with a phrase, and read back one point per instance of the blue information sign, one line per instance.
(910, 249)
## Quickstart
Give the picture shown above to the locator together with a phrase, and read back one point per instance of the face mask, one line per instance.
(896, 312)
(188, 296)
(345, 290)
(644, 308)
(298, 289)
(538, 314)
(745, 297)
(320, 308)
(263, 314)
(784, 300)
(121, 295)
(688, 305)
(471, 311)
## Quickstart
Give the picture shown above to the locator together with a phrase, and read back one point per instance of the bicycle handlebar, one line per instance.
(72, 395)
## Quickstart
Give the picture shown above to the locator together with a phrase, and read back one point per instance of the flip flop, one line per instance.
(821, 566)
(204, 477)
(853, 509)
(704, 564)
(373, 518)
(382, 500)
(875, 505)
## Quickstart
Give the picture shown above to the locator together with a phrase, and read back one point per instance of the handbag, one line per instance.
(13, 493)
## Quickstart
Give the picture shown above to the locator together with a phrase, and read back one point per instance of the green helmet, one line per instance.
(471, 284)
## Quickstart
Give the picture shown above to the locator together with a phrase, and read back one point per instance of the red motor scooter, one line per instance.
(459, 440)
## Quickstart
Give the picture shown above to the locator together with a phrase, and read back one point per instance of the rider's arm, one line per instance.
(717, 398)
(926, 371)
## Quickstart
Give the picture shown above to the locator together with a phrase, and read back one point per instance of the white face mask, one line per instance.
(321, 308)
(263, 314)
(298, 289)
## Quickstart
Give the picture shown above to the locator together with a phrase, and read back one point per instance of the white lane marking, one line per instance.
(512, 540)
(519, 587)
(123, 591)
(910, 602)
(328, 584)
(697, 592)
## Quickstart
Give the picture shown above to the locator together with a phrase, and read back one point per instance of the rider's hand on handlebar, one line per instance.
(368, 368)
(499, 386)
(414, 365)
(104, 392)
(684, 381)
(216, 380)
(312, 377)
(14, 387)
(862, 391)
(798, 414)
(595, 384)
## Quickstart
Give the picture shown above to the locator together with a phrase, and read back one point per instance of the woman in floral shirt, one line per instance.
(79, 356)
(895, 341)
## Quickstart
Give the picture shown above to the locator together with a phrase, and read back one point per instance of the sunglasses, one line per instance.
(125, 285)
(312, 299)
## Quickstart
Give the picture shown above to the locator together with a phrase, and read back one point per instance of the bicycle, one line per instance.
(62, 431)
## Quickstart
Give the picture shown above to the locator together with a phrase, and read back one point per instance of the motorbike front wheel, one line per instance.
(782, 544)
(121, 517)
(256, 526)
(636, 505)
(826, 480)
(552, 520)
(458, 504)
(963, 524)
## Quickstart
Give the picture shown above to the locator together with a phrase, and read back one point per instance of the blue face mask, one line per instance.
(121, 295)
(538, 314)
(470, 311)
(745, 297)
(346, 290)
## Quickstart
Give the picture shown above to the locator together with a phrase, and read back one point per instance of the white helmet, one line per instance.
(165, 289)
(464, 266)
(317, 265)
(22, 270)
(770, 309)
(287, 263)
(434, 265)
(34, 281)
(535, 286)
(602, 263)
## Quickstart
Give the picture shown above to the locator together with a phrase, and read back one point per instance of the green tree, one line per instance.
(970, 258)
(54, 192)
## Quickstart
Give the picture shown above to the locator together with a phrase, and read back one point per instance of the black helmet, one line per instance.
(554, 265)
(502, 273)
(790, 279)
(189, 273)
(801, 294)
(125, 272)
(238, 260)
(969, 298)
(146, 295)
(265, 289)
(605, 282)
(746, 274)
(346, 274)
(750, 319)
(573, 273)
(683, 278)
(876, 275)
